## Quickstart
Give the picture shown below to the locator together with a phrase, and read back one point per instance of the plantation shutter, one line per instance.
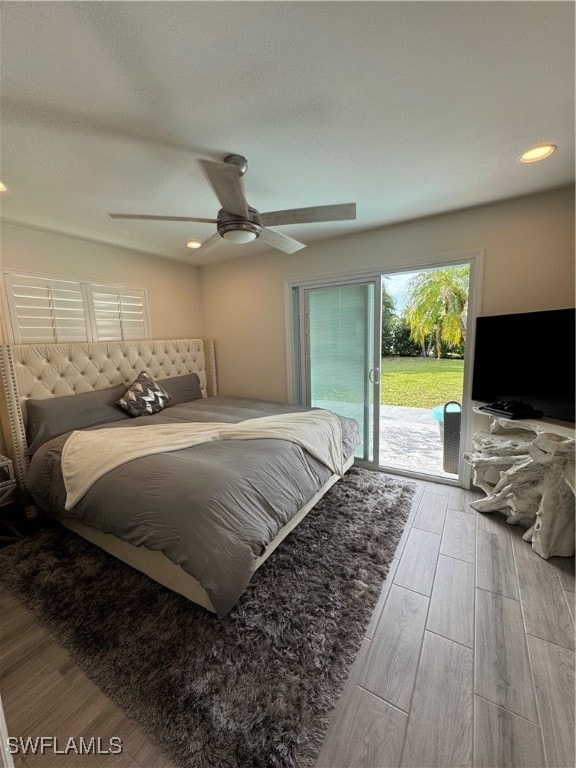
(48, 310)
(118, 313)
(45, 310)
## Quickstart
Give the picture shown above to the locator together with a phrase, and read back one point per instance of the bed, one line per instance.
(199, 519)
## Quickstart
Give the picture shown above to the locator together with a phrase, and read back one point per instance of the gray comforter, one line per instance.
(212, 508)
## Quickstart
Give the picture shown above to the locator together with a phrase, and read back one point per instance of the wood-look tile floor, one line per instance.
(468, 660)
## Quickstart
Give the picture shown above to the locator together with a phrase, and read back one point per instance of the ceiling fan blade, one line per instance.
(309, 215)
(225, 180)
(280, 241)
(207, 245)
(147, 217)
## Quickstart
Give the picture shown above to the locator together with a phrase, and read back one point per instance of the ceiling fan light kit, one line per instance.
(237, 222)
(237, 229)
(238, 235)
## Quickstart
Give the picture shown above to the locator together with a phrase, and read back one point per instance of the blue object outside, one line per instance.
(438, 411)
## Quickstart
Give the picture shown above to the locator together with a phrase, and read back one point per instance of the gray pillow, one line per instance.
(182, 389)
(144, 396)
(49, 418)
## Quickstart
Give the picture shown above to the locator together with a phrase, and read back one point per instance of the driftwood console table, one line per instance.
(526, 469)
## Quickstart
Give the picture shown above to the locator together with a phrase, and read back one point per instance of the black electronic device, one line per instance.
(512, 409)
(526, 358)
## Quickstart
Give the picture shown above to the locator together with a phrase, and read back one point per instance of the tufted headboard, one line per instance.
(58, 370)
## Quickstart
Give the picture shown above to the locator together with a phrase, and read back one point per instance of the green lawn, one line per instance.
(420, 382)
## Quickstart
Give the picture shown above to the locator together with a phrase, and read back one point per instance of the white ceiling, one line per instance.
(407, 108)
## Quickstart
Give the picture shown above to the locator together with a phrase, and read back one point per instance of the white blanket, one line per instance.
(87, 456)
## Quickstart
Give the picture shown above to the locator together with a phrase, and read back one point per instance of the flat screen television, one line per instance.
(527, 357)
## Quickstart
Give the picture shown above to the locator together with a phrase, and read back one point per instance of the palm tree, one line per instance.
(437, 306)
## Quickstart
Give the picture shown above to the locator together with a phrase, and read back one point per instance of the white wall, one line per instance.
(529, 265)
(172, 287)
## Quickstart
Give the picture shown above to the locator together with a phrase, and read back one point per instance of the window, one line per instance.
(117, 313)
(46, 309)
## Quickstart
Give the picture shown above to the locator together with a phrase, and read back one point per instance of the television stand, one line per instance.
(526, 468)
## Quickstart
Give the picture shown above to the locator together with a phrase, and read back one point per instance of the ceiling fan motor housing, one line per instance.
(228, 222)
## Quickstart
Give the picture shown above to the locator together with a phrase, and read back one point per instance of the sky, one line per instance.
(395, 286)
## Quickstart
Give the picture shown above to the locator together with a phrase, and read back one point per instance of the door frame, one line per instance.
(473, 257)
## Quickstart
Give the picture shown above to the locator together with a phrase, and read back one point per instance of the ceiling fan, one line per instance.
(237, 222)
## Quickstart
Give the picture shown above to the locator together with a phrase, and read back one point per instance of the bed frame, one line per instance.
(58, 370)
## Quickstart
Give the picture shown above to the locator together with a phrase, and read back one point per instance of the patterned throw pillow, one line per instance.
(144, 396)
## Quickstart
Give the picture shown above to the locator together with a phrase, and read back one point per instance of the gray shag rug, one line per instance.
(254, 689)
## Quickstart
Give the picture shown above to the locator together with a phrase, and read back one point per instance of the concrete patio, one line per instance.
(410, 439)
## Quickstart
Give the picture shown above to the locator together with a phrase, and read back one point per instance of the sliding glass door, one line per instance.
(339, 352)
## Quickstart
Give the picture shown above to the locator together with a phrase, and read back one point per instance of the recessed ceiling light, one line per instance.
(539, 152)
(193, 244)
(3, 188)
